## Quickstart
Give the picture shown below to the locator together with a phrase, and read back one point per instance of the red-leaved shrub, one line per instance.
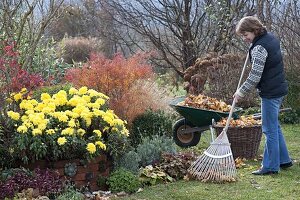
(115, 77)
(13, 77)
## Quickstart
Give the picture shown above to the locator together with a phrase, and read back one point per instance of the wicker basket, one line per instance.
(244, 141)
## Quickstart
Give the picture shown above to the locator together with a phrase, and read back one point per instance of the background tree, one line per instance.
(173, 28)
(25, 22)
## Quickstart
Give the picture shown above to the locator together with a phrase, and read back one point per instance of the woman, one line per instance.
(267, 76)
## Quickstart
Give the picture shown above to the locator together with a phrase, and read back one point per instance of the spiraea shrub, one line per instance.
(118, 78)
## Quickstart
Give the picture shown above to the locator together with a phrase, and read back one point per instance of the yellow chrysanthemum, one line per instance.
(111, 114)
(100, 101)
(98, 132)
(93, 105)
(32, 102)
(23, 90)
(61, 140)
(45, 96)
(73, 91)
(108, 119)
(106, 128)
(80, 109)
(88, 121)
(37, 118)
(76, 100)
(22, 129)
(50, 131)
(71, 114)
(118, 122)
(24, 118)
(101, 145)
(81, 132)
(27, 124)
(18, 96)
(72, 123)
(9, 100)
(28, 112)
(13, 115)
(93, 93)
(86, 98)
(43, 124)
(82, 90)
(125, 132)
(40, 107)
(62, 93)
(26, 105)
(36, 131)
(60, 98)
(91, 148)
(67, 131)
(103, 96)
(61, 116)
(98, 113)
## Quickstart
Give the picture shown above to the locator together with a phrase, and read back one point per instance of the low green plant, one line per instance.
(101, 181)
(117, 146)
(70, 193)
(150, 175)
(293, 98)
(130, 161)
(5, 159)
(151, 148)
(123, 180)
(250, 111)
(150, 123)
(291, 117)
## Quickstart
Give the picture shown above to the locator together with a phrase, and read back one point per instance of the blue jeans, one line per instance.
(275, 152)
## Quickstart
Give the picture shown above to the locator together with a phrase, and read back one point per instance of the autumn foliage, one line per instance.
(13, 77)
(117, 78)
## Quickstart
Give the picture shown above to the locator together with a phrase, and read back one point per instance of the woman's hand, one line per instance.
(237, 97)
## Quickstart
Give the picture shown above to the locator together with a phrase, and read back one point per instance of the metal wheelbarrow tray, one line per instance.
(187, 130)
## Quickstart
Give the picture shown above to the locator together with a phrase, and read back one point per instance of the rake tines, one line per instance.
(217, 162)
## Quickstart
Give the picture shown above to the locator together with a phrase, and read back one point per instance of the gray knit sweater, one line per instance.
(259, 55)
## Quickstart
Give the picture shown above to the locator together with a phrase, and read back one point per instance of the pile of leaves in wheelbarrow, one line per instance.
(205, 102)
(243, 121)
(208, 103)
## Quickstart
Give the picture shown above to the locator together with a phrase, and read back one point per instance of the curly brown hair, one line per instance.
(250, 24)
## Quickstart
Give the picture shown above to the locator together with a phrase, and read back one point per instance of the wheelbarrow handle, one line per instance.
(258, 115)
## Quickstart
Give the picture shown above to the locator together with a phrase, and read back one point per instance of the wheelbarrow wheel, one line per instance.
(182, 138)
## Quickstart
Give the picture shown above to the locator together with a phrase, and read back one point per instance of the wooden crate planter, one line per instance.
(81, 174)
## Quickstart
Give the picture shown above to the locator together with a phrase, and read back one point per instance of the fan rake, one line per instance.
(217, 164)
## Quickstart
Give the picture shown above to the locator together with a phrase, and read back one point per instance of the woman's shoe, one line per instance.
(286, 165)
(264, 172)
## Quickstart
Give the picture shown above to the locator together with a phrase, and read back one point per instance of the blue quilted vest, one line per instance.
(272, 83)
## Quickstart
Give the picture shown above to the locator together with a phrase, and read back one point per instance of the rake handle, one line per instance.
(243, 71)
(234, 100)
(229, 116)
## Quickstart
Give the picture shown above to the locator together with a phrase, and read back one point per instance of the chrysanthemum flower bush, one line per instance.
(68, 124)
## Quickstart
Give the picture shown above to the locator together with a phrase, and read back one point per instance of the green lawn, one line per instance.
(285, 185)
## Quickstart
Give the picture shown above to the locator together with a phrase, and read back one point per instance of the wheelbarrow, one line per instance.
(187, 130)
